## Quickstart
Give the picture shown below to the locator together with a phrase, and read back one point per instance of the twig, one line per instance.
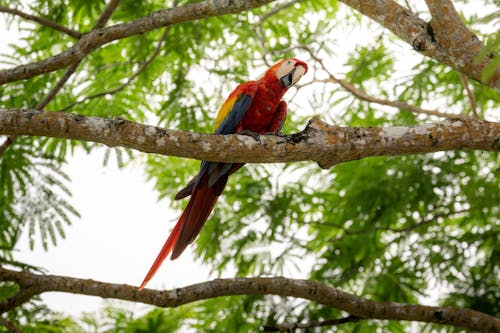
(6, 144)
(34, 284)
(276, 9)
(42, 21)
(129, 80)
(101, 21)
(401, 230)
(470, 95)
(53, 92)
(371, 99)
(312, 324)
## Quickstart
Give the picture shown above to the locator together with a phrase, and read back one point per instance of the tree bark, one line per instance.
(445, 39)
(401, 21)
(326, 144)
(33, 284)
(97, 38)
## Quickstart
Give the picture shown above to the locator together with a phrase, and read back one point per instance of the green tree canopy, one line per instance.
(385, 228)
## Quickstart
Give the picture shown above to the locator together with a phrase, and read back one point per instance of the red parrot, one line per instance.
(254, 107)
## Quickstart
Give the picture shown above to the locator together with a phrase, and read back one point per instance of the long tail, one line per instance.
(201, 204)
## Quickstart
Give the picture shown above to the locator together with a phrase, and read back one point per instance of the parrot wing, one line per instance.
(212, 178)
(228, 118)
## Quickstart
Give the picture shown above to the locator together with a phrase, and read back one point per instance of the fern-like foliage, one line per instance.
(33, 196)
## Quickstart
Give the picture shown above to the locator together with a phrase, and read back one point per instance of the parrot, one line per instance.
(253, 108)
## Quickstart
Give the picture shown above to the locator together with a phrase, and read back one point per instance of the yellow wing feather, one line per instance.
(248, 88)
(225, 109)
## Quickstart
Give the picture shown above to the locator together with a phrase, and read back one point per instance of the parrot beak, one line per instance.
(287, 79)
(293, 76)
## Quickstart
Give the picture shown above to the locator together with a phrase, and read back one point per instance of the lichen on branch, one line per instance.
(326, 144)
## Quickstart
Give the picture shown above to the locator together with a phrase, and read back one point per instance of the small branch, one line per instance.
(312, 324)
(276, 9)
(470, 95)
(53, 92)
(326, 144)
(96, 38)
(34, 284)
(144, 65)
(106, 14)
(42, 21)
(371, 99)
(101, 21)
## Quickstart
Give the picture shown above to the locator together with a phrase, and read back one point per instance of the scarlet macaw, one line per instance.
(254, 107)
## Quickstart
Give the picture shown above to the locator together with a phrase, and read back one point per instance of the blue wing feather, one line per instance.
(236, 114)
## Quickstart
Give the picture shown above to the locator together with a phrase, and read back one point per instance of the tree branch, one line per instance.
(35, 284)
(42, 21)
(470, 95)
(122, 86)
(106, 14)
(372, 99)
(326, 144)
(99, 37)
(459, 49)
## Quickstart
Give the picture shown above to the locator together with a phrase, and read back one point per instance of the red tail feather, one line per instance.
(193, 218)
(165, 250)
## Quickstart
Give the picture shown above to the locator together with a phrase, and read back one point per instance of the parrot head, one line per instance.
(289, 71)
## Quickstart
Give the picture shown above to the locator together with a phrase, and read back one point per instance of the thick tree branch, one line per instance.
(34, 284)
(42, 21)
(99, 37)
(459, 48)
(326, 144)
(388, 13)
